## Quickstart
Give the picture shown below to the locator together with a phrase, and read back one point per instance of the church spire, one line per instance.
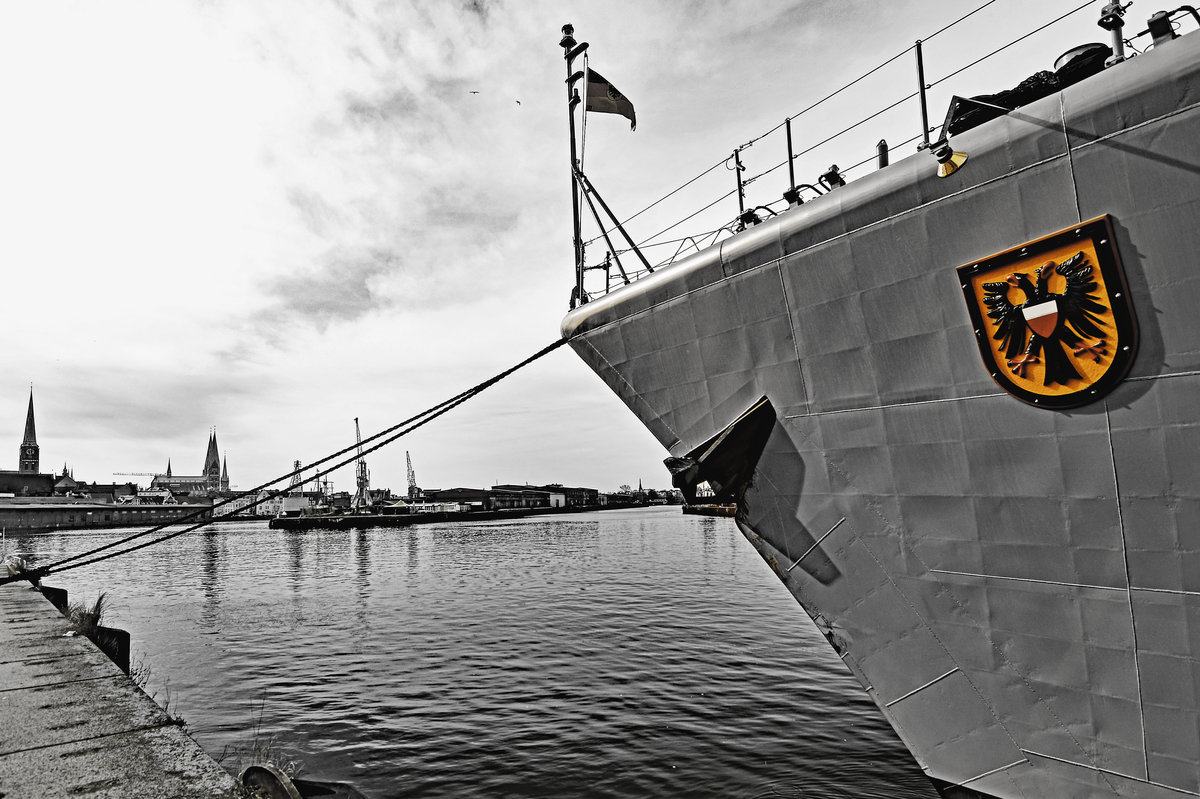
(212, 461)
(30, 430)
(28, 459)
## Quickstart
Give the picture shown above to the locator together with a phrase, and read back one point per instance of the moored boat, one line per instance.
(955, 403)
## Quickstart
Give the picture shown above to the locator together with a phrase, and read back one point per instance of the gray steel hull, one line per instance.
(1018, 589)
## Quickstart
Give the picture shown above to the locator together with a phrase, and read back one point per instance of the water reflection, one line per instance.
(414, 559)
(362, 561)
(295, 547)
(362, 554)
(708, 537)
(210, 575)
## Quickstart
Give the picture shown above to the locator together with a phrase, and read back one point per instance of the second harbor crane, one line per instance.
(362, 476)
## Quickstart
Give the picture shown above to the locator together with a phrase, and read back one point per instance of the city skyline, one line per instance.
(275, 221)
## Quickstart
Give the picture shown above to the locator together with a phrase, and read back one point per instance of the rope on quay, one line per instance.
(381, 439)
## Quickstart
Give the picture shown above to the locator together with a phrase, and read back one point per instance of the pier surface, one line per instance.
(73, 724)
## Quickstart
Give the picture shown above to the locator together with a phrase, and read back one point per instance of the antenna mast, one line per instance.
(362, 497)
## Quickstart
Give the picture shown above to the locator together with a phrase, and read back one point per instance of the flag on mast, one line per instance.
(604, 98)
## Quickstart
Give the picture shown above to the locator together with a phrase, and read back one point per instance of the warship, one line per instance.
(956, 402)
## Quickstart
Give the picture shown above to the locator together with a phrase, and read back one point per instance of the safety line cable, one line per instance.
(1075, 10)
(408, 425)
(241, 495)
(649, 239)
(829, 96)
(269, 495)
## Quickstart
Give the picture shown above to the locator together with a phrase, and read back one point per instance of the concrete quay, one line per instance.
(72, 724)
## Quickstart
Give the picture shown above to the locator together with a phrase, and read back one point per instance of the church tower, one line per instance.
(28, 459)
(212, 463)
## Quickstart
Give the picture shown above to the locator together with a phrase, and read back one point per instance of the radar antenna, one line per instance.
(362, 497)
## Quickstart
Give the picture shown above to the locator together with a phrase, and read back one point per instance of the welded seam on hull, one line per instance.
(1174, 591)
(996, 649)
(776, 262)
(913, 608)
(1137, 667)
(1193, 373)
(1028, 580)
(911, 403)
(787, 308)
(934, 681)
(633, 392)
(978, 777)
(1062, 114)
(899, 214)
(1103, 771)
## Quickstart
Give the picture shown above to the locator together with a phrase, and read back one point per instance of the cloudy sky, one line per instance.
(271, 218)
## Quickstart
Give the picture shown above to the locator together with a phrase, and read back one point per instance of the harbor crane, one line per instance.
(362, 497)
(297, 479)
(414, 493)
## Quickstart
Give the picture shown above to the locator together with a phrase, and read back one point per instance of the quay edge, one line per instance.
(76, 725)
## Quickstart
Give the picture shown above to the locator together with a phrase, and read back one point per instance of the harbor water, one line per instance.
(630, 653)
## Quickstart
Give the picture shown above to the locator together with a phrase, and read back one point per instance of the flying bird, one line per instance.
(1046, 324)
(518, 102)
(474, 92)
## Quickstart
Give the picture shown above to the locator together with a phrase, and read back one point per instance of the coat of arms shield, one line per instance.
(1052, 317)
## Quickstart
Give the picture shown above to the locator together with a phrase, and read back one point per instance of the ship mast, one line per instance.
(571, 51)
(362, 497)
(581, 187)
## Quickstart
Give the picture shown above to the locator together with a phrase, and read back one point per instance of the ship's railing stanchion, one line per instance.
(787, 124)
(921, 87)
(738, 169)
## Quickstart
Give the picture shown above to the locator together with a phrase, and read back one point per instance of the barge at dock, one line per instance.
(361, 521)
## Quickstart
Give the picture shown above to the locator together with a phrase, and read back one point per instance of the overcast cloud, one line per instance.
(272, 218)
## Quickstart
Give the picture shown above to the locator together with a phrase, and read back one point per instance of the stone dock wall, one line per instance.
(72, 724)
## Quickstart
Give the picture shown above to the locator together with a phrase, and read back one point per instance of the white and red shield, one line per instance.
(1042, 318)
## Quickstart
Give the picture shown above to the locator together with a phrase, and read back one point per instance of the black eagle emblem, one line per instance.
(1048, 327)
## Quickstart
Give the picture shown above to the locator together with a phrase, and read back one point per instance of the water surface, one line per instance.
(633, 653)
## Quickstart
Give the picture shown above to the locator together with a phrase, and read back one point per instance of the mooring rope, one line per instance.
(381, 439)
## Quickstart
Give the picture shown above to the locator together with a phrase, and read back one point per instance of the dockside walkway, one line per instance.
(72, 724)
